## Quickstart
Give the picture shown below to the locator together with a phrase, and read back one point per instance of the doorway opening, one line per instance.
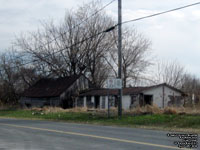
(148, 100)
(97, 102)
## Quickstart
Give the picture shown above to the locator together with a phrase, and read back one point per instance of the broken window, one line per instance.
(133, 99)
(175, 100)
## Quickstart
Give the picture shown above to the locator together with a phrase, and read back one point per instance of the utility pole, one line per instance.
(120, 55)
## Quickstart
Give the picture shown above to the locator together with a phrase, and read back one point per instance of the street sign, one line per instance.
(114, 83)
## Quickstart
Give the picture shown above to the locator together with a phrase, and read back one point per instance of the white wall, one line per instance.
(126, 102)
(171, 92)
(84, 103)
(158, 95)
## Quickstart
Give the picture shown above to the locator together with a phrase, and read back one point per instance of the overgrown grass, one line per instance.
(156, 120)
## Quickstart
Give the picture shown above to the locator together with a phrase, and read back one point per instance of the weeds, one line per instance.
(148, 109)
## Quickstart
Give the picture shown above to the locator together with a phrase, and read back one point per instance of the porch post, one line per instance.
(100, 102)
(84, 101)
(106, 102)
(163, 98)
(92, 99)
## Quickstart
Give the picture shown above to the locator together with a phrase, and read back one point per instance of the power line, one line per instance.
(78, 24)
(86, 39)
(164, 12)
(107, 30)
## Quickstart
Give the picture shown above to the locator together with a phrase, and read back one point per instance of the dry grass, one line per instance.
(170, 111)
(47, 110)
(148, 109)
(194, 110)
(154, 109)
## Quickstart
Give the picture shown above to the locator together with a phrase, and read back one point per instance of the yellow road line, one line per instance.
(93, 136)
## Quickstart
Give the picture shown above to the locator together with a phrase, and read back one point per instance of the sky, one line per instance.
(174, 36)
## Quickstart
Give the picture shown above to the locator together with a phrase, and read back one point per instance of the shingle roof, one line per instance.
(103, 92)
(126, 91)
(48, 87)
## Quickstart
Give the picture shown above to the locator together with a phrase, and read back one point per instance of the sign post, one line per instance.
(113, 83)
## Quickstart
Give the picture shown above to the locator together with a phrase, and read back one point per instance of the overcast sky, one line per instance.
(174, 36)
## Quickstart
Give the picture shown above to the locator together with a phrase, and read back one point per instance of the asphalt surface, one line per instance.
(17, 134)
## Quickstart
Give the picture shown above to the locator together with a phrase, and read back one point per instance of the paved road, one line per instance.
(17, 134)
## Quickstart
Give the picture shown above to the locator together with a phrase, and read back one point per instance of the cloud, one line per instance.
(174, 35)
(129, 14)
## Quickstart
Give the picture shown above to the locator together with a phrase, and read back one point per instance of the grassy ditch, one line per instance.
(175, 121)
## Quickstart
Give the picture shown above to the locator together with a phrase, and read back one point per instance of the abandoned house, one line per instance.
(54, 92)
(162, 95)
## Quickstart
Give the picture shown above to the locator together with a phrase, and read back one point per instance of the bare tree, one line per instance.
(134, 56)
(14, 77)
(168, 72)
(191, 86)
(75, 46)
(72, 48)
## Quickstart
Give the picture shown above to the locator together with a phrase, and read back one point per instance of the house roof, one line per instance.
(104, 92)
(126, 91)
(48, 87)
(171, 87)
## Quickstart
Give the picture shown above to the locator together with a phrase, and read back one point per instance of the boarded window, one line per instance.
(133, 99)
(175, 100)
